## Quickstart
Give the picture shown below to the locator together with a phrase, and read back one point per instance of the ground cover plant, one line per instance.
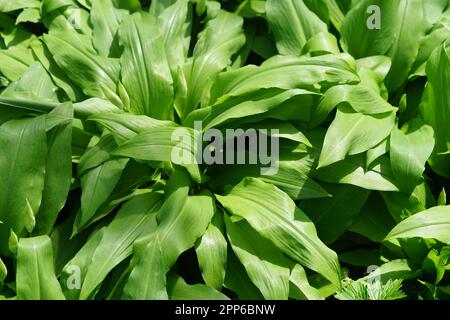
(240, 149)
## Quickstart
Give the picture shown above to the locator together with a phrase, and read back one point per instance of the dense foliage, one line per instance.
(94, 206)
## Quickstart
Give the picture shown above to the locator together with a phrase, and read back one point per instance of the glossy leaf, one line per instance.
(36, 277)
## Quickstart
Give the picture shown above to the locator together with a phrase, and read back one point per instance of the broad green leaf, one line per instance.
(62, 16)
(333, 216)
(145, 69)
(36, 279)
(251, 104)
(96, 185)
(437, 35)
(384, 27)
(266, 267)
(179, 290)
(285, 72)
(402, 206)
(44, 89)
(353, 171)
(321, 44)
(89, 107)
(14, 35)
(178, 231)
(293, 24)
(126, 126)
(8, 6)
(96, 76)
(410, 148)
(176, 145)
(136, 218)
(392, 270)
(147, 280)
(60, 78)
(182, 219)
(58, 175)
(237, 280)
(66, 247)
(435, 108)
(352, 133)
(174, 25)
(275, 216)
(222, 37)
(22, 171)
(105, 19)
(293, 176)
(376, 152)
(97, 154)
(300, 287)
(76, 268)
(211, 253)
(374, 221)
(432, 223)
(14, 62)
(32, 15)
(361, 98)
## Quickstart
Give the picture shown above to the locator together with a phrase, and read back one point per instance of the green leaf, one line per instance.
(96, 76)
(285, 72)
(174, 24)
(36, 279)
(435, 108)
(252, 104)
(353, 133)
(398, 35)
(211, 253)
(361, 98)
(8, 6)
(32, 15)
(60, 78)
(3, 271)
(266, 267)
(237, 280)
(14, 62)
(442, 200)
(432, 223)
(293, 176)
(402, 206)
(22, 171)
(352, 171)
(274, 216)
(179, 290)
(333, 216)
(392, 270)
(182, 219)
(410, 148)
(374, 221)
(96, 185)
(44, 89)
(136, 218)
(147, 280)
(126, 126)
(293, 24)
(145, 69)
(58, 175)
(105, 19)
(222, 37)
(177, 145)
(300, 287)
